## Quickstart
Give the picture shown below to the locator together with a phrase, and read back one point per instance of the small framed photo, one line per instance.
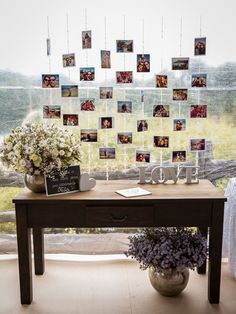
(89, 135)
(50, 80)
(199, 80)
(197, 145)
(87, 104)
(198, 111)
(86, 39)
(179, 124)
(142, 156)
(106, 122)
(161, 141)
(142, 125)
(143, 63)
(124, 77)
(51, 112)
(161, 111)
(180, 63)
(179, 156)
(69, 90)
(124, 46)
(200, 46)
(70, 119)
(107, 153)
(124, 106)
(161, 81)
(105, 59)
(106, 92)
(124, 138)
(87, 74)
(68, 60)
(180, 94)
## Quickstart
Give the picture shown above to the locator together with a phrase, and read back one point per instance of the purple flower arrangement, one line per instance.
(168, 248)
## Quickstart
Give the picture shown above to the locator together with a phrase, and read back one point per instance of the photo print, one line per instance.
(180, 63)
(180, 94)
(124, 138)
(124, 46)
(107, 153)
(105, 59)
(106, 123)
(179, 156)
(124, 106)
(51, 112)
(87, 104)
(161, 141)
(142, 125)
(50, 80)
(69, 90)
(142, 156)
(198, 111)
(197, 145)
(161, 81)
(68, 60)
(106, 92)
(124, 77)
(87, 74)
(199, 80)
(143, 63)
(200, 46)
(86, 39)
(161, 111)
(89, 135)
(179, 124)
(70, 119)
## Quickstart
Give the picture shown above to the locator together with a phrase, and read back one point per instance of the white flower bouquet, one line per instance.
(40, 149)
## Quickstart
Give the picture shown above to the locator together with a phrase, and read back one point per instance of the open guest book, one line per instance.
(133, 192)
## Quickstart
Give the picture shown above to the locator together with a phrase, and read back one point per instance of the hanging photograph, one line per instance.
(124, 138)
(161, 111)
(87, 74)
(199, 80)
(69, 90)
(180, 63)
(124, 106)
(200, 46)
(179, 124)
(142, 125)
(198, 111)
(124, 46)
(123, 77)
(142, 156)
(86, 39)
(161, 141)
(143, 63)
(48, 47)
(106, 123)
(180, 94)
(68, 60)
(89, 135)
(50, 80)
(161, 81)
(179, 156)
(70, 119)
(197, 145)
(87, 104)
(105, 59)
(106, 92)
(51, 112)
(107, 153)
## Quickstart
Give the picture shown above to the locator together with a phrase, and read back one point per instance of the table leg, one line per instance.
(24, 254)
(38, 241)
(202, 269)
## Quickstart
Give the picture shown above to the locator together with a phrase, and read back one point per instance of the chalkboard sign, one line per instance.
(63, 184)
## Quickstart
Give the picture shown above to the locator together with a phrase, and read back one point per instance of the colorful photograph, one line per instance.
(142, 156)
(106, 123)
(87, 104)
(124, 138)
(68, 60)
(161, 81)
(88, 135)
(179, 156)
(180, 94)
(161, 141)
(106, 92)
(143, 63)
(161, 111)
(70, 119)
(200, 46)
(180, 63)
(197, 145)
(105, 59)
(198, 111)
(199, 80)
(124, 46)
(69, 90)
(50, 80)
(123, 77)
(107, 153)
(142, 125)
(86, 39)
(179, 124)
(51, 112)
(87, 74)
(124, 106)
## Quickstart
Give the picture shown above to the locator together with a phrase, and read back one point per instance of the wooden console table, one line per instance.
(200, 205)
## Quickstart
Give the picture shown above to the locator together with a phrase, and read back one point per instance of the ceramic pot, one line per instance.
(35, 183)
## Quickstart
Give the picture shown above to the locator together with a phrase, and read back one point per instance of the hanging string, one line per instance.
(143, 137)
(180, 39)
(162, 38)
(124, 36)
(200, 30)
(86, 28)
(68, 38)
(106, 139)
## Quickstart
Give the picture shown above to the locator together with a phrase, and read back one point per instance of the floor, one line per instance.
(106, 286)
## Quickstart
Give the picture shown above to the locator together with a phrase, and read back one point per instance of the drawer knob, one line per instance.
(118, 219)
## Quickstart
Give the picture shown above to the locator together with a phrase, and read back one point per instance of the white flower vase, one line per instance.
(35, 183)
